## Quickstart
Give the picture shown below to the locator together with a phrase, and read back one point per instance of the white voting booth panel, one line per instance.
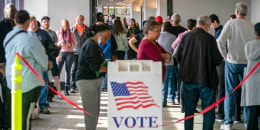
(135, 95)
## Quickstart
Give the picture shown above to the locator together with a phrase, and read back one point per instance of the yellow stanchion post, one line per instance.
(16, 95)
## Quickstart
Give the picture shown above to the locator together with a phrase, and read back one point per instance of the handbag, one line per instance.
(52, 50)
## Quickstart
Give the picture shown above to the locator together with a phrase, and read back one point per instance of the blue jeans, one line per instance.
(168, 84)
(192, 92)
(44, 92)
(104, 83)
(232, 73)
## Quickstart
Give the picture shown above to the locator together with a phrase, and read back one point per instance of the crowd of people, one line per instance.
(195, 63)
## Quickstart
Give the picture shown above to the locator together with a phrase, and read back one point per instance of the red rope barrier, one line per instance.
(65, 98)
(186, 118)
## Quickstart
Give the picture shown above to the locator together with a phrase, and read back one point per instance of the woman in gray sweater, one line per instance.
(251, 90)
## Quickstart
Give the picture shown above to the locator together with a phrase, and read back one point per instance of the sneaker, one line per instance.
(238, 121)
(218, 119)
(182, 110)
(245, 124)
(105, 90)
(45, 111)
(76, 90)
(49, 100)
(72, 90)
(59, 97)
(226, 127)
(196, 111)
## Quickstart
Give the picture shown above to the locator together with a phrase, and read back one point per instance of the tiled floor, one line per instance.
(66, 117)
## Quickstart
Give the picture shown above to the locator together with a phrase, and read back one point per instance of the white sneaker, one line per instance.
(226, 127)
(245, 125)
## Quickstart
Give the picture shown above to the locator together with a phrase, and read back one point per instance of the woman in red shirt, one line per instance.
(149, 49)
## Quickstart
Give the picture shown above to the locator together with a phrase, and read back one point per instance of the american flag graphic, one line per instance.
(132, 95)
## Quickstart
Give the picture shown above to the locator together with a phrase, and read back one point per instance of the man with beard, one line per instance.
(45, 24)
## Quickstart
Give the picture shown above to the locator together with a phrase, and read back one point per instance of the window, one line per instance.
(105, 10)
(116, 10)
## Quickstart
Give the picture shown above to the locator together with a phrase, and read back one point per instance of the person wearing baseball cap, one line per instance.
(159, 19)
(45, 24)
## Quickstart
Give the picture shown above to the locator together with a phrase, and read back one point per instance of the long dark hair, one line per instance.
(167, 26)
(94, 29)
(118, 27)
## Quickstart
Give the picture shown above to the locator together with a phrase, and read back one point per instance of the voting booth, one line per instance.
(135, 95)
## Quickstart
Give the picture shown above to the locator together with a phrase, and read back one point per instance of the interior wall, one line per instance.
(136, 13)
(58, 10)
(69, 11)
(37, 8)
(149, 8)
(194, 8)
(161, 10)
(255, 18)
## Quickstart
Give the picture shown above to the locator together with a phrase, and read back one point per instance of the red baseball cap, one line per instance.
(159, 19)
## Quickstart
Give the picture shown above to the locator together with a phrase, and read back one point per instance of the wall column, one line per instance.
(149, 8)
(136, 13)
(255, 11)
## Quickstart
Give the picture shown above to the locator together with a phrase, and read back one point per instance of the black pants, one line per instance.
(120, 55)
(221, 88)
(67, 57)
(29, 100)
(253, 112)
(73, 72)
(28, 103)
(3, 115)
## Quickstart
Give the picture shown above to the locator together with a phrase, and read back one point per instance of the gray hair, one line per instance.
(242, 8)
(176, 18)
(203, 20)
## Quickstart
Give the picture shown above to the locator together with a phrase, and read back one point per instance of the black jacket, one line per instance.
(90, 59)
(80, 40)
(198, 57)
(5, 27)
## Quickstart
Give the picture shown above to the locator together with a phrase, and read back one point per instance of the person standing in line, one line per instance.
(165, 40)
(92, 66)
(45, 24)
(237, 111)
(121, 39)
(134, 43)
(215, 24)
(132, 29)
(124, 22)
(250, 93)
(200, 79)
(79, 29)
(6, 25)
(191, 24)
(176, 27)
(109, 49)
(45, 38)
(67, 41)
(149, 49)
(235, 57)
(33, 51)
